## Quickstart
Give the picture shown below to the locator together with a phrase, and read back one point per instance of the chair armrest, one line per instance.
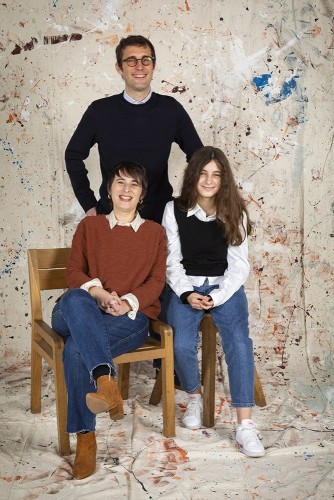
(163, 329)
(48, 334)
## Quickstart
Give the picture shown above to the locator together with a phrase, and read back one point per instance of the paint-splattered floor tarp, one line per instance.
(135, 461)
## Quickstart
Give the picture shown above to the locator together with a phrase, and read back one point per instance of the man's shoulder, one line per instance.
(106, 101)
(166, 99)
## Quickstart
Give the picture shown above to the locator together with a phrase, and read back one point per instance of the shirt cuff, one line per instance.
(218, 297)
(184, 296)
(134, 304)
(89, 284)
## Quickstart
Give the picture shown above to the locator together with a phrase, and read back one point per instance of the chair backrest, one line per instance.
(46, 272)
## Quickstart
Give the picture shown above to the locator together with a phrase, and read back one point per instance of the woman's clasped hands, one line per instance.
(109, 303)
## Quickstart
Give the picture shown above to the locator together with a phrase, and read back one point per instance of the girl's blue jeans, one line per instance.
(231, 319)
(92, 338)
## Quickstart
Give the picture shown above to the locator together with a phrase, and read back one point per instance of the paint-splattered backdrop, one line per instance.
(256, 78)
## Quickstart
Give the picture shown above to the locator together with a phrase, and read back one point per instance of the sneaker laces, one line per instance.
(250, 434)
(193, 407)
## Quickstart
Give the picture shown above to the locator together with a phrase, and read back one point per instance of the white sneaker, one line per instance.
(248, 437)
(192, 418)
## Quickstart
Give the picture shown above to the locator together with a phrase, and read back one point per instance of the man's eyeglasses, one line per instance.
(133, 61)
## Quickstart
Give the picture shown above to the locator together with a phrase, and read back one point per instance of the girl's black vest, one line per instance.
(203, 245)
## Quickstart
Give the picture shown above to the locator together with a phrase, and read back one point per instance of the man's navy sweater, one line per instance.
(141, 133)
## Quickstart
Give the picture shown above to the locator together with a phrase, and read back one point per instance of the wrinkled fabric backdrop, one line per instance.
(256, 78)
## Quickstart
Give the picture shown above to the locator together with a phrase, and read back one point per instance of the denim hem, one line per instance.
(241, 405)
(81, 430)
(193, 390)
(112, 371)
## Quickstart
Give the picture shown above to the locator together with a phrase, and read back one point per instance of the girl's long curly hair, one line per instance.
(230, 205)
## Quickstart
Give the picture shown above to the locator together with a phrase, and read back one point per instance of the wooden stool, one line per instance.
(209, 332)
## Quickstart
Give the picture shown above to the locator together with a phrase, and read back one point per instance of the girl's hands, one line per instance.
(110, 303)
(198, 301)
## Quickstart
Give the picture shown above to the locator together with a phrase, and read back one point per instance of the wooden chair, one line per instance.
(47, 272)
(209, 331)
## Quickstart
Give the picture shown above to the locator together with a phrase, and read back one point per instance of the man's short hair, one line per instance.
(138, 41)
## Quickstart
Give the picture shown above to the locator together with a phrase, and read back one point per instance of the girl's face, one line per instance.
(125, 193)
(209, 181)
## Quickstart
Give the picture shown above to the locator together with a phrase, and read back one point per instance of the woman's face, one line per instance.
(209, 181)
(125, 193)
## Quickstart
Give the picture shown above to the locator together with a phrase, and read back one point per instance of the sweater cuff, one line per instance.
(184, 296)
(89, 284)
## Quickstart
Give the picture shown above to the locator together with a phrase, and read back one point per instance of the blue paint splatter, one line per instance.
(263, 82)
(287, 88)
(7, 271)
(5, 145)
(307, 456)
(9, 151)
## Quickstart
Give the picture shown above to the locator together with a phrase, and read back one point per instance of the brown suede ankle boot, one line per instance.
(107, 398)
(85, 457)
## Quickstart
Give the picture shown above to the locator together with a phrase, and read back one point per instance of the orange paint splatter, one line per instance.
(316, 30)
(9, 479)
(262, 478)
(250, 197)
(278, 239)
(178, 454)
(110, 40)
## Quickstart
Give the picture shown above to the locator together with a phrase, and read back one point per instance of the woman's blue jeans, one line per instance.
(231, 319)
(92, 338)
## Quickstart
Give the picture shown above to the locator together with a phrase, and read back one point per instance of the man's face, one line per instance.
(138, 78)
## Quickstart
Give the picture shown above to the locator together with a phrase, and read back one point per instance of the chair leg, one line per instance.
(209, 331)
(36, 381)
(157, 390)
(259, 396)
(168, 399)
(167, 374)
(124, 379)
(61, 405)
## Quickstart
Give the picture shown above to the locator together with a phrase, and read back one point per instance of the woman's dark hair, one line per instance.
(130, 169)
(138, 41)
(230, 205)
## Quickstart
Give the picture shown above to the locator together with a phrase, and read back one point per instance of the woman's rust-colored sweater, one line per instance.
(125, 261)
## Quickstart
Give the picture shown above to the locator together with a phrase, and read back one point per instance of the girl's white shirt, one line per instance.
(237, 259)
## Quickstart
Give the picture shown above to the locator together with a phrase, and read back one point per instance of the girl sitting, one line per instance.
(207, 266)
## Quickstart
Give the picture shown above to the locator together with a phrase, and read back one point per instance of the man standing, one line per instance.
(137, 125)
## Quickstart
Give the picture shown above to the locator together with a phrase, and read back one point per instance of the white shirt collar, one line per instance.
(135, 224)
(199, 212)
(131, 100)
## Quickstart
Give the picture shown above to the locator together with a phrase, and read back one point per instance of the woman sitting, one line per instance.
(207, 266)
(116, 272)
